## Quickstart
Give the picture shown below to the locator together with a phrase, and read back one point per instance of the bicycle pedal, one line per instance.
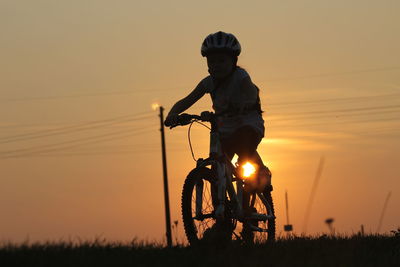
(240, 215)
(260, 217)
(258, 229)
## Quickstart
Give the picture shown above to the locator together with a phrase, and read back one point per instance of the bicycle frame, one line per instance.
(226, 174)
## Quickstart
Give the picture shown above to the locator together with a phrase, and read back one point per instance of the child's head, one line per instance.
(220, 64)
(221, 50)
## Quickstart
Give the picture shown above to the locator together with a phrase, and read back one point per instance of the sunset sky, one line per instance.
(80, 144)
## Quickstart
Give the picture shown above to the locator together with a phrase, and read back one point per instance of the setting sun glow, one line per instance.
(83, 88)
(248, 169)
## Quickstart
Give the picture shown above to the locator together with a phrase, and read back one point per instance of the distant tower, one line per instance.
(287, 227)
(329, 222)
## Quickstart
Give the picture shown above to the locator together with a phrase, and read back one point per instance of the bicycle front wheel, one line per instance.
(198, 202)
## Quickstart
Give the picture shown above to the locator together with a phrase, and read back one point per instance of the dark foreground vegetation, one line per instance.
(324, 251)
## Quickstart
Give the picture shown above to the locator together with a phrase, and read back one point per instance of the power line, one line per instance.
(330, 74)
(31, 137)
(75, 143)
(351, 113)
(123, 146)
(323, 101)
(103, 153)
(48, 126)
(78, 123)
(101, 123)
(345, 110)
(73, 128)
(393, 119)
(40, 152)
(334, 115)
(342, 99)
(318, 75)
(71, 96)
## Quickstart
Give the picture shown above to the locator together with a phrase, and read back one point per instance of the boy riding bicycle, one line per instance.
(236, 102)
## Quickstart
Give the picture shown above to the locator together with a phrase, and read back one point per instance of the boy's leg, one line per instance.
(246, 144)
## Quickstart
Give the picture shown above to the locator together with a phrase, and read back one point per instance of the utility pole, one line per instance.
(166, 195)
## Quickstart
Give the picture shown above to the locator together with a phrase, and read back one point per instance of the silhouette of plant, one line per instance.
(396, 233)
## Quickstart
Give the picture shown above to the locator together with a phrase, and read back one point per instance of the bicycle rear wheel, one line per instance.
(199, 219)
(265, 208)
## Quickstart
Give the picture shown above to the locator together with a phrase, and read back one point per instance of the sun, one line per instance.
(248, 169)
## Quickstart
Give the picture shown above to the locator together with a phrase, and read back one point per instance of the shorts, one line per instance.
(243, 142)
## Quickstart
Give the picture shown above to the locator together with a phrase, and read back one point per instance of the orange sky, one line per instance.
(80, 146)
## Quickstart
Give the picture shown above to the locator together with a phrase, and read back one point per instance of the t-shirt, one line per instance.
(229, 95)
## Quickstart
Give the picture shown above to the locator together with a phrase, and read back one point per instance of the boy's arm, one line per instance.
(185, 103)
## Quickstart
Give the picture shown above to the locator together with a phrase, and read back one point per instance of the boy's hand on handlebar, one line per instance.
(206, 115)
(174, 120)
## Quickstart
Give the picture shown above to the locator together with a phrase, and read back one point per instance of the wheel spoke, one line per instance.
(207, 208)
(262, 237)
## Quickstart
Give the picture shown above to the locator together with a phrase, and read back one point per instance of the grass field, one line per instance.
(372, 250)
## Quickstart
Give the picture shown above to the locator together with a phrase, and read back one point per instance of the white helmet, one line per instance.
(220, 41)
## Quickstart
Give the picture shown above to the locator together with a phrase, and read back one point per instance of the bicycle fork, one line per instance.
(219, 204)
(221, 191)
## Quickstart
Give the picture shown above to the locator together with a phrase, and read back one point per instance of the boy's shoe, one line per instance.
(247, 233)
(264, 179)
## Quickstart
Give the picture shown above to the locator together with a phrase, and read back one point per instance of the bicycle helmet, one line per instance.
(220, 42)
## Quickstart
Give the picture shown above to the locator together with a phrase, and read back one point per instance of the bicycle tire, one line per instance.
(196, 229)
(270, 223)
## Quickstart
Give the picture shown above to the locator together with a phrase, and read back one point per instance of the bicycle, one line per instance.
(213, 197)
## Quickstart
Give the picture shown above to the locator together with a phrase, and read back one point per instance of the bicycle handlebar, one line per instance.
(185, 119)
